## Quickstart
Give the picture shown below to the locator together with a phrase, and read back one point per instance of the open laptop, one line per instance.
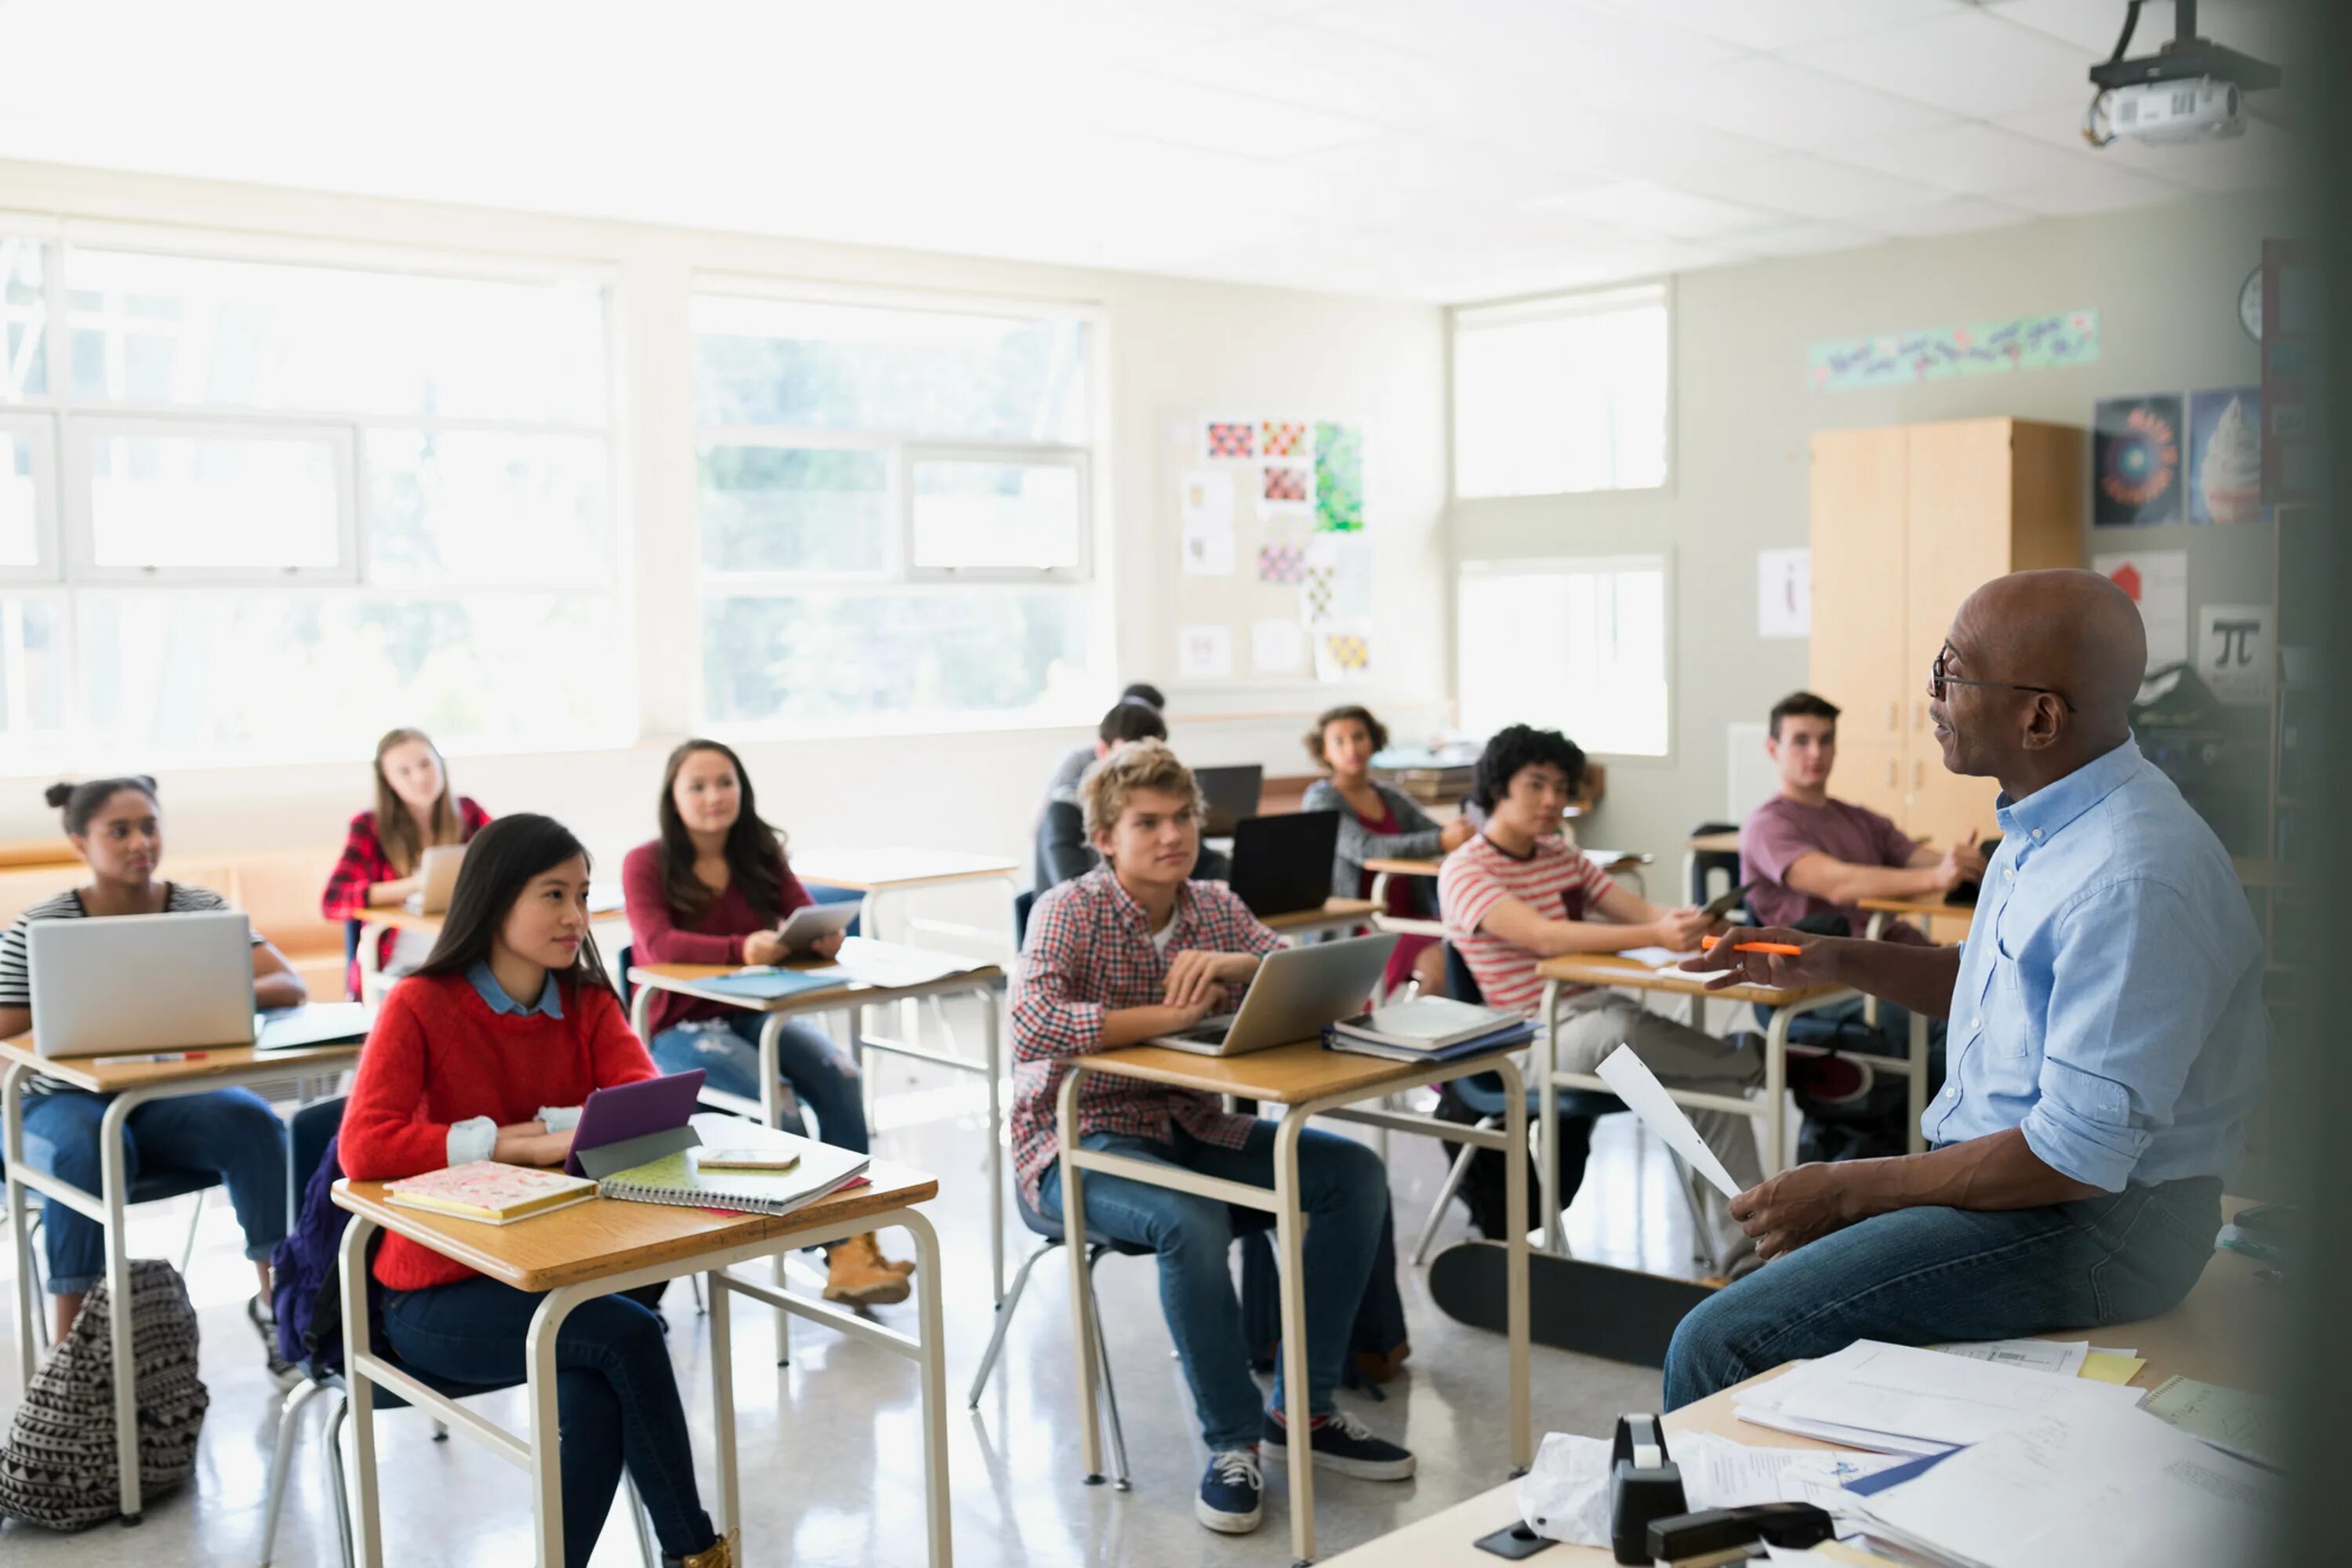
(1229, 793)
(1296, 992)
(436, 878)
(1283, 864)
(141, 983)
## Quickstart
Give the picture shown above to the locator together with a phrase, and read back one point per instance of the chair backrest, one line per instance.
(1460, 983)
(1023, 903)
(1706, 863)
(621, 962)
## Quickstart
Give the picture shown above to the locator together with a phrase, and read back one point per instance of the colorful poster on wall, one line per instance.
(1284, 438)
(1339, 477)
(2158, 582)
(2136, 461)
(1939, 354)
(2225, 455)
(1224, 439)
(1285, 490)
(2235, 656)
(1343, 650)
(1281, 565)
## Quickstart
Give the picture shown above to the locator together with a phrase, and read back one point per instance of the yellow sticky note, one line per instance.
(2101, 1367)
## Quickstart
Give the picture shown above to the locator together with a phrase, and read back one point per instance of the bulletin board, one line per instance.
(1272, 569)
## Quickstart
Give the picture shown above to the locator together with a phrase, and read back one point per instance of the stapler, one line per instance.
(1718, 1535)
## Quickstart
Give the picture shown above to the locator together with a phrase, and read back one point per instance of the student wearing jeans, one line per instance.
(116, 827)
(415, 810)
(487, 1052)
(1520, 893)
(712, 890)
(1136, 948)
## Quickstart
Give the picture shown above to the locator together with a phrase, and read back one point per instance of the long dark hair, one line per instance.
(499, 863)
(755, 851)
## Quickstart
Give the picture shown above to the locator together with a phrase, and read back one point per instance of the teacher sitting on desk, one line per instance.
(2106, 1034)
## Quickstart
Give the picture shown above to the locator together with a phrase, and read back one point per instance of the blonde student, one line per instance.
(116, 826)
(1133, 949)
(415, 810)
(1379, 822)
(487, 1052)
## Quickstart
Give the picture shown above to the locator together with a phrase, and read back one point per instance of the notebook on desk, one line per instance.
(818, 1171)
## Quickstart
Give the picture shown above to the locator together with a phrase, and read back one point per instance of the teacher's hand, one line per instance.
(1802, 1204)
(1814, 962)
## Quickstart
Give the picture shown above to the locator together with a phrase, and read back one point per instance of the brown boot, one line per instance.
(904, 1268)
(722, 1553)
(855, 1273)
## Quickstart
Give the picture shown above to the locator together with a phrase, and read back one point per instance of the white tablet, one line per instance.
(802, 928)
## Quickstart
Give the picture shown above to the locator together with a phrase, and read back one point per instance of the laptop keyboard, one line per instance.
(1209, 1031)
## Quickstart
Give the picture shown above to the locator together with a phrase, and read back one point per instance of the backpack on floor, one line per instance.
(57, 1468)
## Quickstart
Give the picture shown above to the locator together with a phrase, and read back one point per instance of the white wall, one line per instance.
(2165, 282)
(1171, 347)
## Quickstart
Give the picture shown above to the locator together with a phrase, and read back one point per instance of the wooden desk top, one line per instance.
(1403, 868)
(683, 978)
(874, 871)
(606, 1235)
(1332, 909)
(1287, 1075)
(1607, 860)
(1612, 969)
(1919, 908)
(1713, 843)
(83, 1072)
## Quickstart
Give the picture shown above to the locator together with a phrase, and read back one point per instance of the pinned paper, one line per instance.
(1285, 490)
(1284, 438)
(2236, 655)
(1646, 1098)
(1227, 439)
(2158, 582)
(1207, 497)
(1204, 652)
(1784, 593)
(1208, 550)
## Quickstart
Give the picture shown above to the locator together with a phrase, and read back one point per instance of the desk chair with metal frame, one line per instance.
(150, 1188)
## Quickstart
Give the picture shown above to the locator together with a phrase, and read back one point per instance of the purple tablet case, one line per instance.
(630, 1124)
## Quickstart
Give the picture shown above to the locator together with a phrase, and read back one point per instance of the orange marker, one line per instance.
(1790, 948)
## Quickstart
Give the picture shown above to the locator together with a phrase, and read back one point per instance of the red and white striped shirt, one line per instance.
(1556, 882)
(1089, 953)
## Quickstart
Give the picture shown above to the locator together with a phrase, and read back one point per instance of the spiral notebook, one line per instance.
(679, 1179)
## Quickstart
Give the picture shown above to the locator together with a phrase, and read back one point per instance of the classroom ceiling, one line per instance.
(1440, 150)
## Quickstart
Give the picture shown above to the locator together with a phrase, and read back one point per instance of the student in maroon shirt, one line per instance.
(712, 890)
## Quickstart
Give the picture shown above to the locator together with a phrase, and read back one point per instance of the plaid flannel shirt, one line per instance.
(1089, 953)
(363, 864)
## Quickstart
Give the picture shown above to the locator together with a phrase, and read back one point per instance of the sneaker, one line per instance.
(1230, 1492)
(1340, 1442)
(282, 1373)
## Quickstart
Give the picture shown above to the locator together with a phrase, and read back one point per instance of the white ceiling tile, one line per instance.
(1957, 215)
(2096, 190)
(1969, 157)
(1810, 187)
(1778, 24)
(1135, 104)
(1625, 142)
(1643, 206)
(1564, 43)
(1335, 72)
(1765, 97)
(2256, 27)
(1802, 239)
(1968, 61)
(1577, 269)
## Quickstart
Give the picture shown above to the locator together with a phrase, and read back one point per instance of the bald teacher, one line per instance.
(2106, 1034)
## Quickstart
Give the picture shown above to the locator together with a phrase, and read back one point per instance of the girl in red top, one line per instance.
(487, 1053)
(414, 811)
(712, 890)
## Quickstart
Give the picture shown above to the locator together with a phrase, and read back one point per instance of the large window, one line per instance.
(895, 512)
(1560, 395)
(259, 507)
(1577, 646)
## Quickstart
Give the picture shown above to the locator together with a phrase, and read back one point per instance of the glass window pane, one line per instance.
(1563, 402)
(188, 329)
(214, 500)
(487, 508)
(795, 508)
(815, 367)
(988, 514)
(20, 514)
(1580, 651)
(882, 657)
(171, 675)
(24, 321)
(32, 665)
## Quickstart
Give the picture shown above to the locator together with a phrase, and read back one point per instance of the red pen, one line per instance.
(156, 1057)
(1709, 943)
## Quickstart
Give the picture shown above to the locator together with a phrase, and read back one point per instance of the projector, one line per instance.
(2202, 109)
(2191, 90)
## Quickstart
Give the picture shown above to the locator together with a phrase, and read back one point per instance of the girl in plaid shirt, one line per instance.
(415, 810)
(1130, 951)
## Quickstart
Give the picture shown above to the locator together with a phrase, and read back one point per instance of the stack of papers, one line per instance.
(1429, 1028)
(2065, 1358)
(2245, 1424)
(1897, 1399)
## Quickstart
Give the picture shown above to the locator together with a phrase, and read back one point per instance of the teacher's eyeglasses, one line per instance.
(1938, 680)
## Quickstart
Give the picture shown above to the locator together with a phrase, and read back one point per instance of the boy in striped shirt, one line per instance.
(1520, 893)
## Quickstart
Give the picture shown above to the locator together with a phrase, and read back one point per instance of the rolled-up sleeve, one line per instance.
(2133, 993)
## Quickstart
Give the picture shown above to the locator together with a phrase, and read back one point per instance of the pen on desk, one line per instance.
(1790, 948)
(150, 1056)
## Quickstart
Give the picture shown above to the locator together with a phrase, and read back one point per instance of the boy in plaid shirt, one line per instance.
(1132, 950)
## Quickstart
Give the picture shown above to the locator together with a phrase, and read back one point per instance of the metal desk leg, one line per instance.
(729, 1513)
(771, 1111)
(1916, 1091)
(1514, 1214)
(1548, 1105)
(11, 1155)
(112, 1184)
(1776, 1090)
(366, 1521)
(937, 1509)
(1298, 1409)
(1074, 1237)
(992, 1043)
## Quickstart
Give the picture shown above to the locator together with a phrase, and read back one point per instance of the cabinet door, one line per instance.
(1959, 512)
(1941, 805)
(1859, 495)
(1870, 772)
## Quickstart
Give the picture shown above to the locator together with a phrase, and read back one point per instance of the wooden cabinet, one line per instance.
(1908, 520)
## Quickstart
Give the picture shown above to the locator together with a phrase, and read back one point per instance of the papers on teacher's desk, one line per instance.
(1646, 1098)
(1898, 1399)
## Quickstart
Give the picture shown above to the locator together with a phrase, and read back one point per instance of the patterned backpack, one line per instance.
(57, 1468)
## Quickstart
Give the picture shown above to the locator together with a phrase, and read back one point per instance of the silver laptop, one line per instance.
(436, 878)
(141, 983)
(1296, 992)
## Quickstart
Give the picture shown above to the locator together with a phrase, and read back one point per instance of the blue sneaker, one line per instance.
(1230, 1490)
(1340, 1442)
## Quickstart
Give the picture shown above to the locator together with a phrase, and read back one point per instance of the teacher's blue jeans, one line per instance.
(727, 1049)
(1925, 1276)
(1344, 1191)
(230, 1132)
(616, 1398)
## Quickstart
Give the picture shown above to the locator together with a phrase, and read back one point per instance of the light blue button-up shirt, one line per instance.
(2109, 999)
(485, 984)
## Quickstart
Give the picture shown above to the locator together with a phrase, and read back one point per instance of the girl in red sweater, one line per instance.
(712, 890)
(487, 1052)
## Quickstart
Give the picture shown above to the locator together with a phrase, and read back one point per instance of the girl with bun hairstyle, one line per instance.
(116, 827)
(415, 810)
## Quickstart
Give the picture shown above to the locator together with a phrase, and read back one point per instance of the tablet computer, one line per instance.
(804, 925)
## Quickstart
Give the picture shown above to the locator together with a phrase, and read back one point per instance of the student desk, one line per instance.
(880, 874)
(924, 974)
(1305, 1080)
(1337, 916)
(604, 906)
(2217, 1335)
(603, 1246)
(1927, 911)
(132, 1085)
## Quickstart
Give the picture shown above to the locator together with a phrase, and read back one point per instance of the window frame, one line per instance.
(39, 427)
(1553, 306)
(1661, 561)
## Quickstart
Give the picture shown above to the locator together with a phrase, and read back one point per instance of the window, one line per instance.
(1561, 394)
(260, 508)
(895, 505)
(1575, 646)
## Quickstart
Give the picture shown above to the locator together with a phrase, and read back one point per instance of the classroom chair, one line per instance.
(1706, 863)
(150, 1188)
